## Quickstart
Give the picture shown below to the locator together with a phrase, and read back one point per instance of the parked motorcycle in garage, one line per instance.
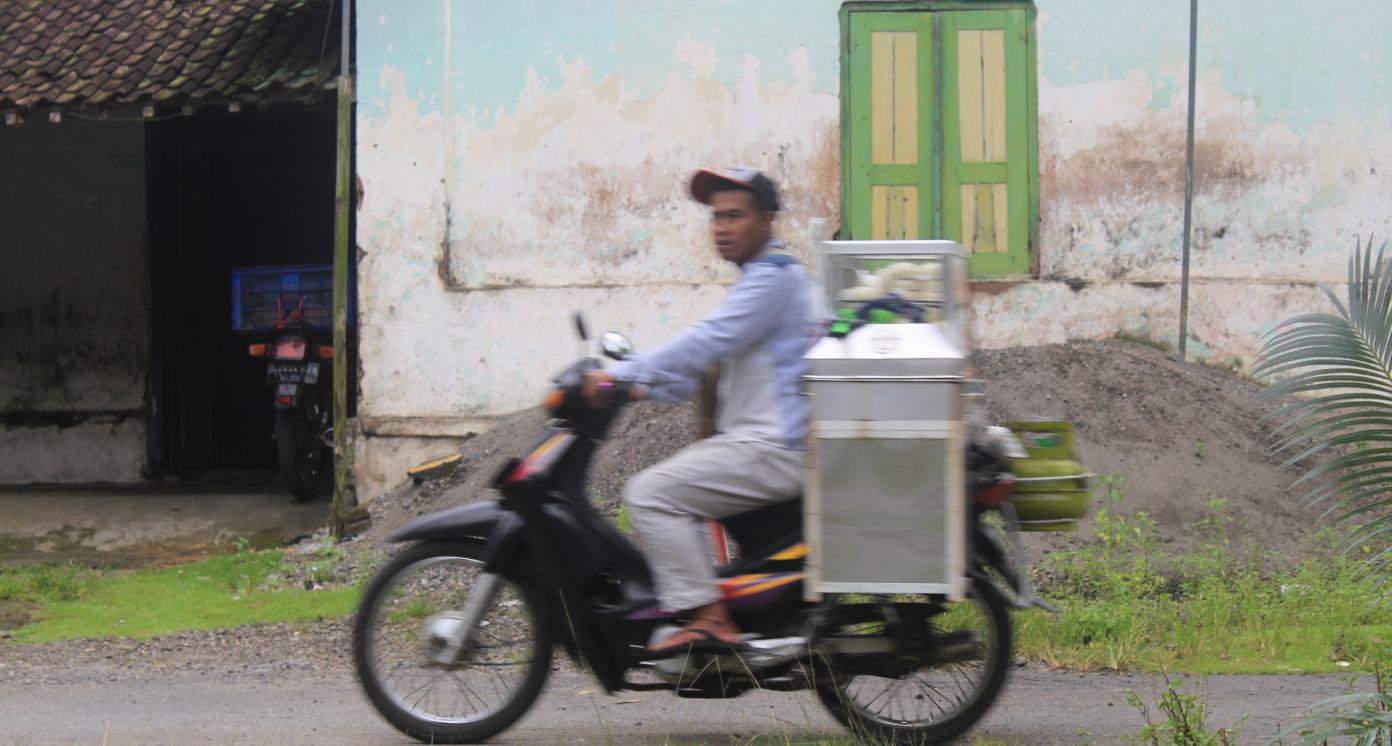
(299, 354)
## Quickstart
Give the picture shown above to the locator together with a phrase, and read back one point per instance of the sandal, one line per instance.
(706, 642)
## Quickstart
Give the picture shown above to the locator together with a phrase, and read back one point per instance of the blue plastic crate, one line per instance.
(259, 294)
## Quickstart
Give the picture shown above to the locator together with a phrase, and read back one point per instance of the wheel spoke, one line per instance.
(937, 698)
(872, 702)
(423, 689)
(469, 692)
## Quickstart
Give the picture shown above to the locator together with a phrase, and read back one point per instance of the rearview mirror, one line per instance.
(616, 345)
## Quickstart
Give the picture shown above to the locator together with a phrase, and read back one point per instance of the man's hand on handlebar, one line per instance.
(598, 389)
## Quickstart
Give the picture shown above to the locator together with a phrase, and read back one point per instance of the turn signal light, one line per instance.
(553, 400)
(325, 352)
(257, 350)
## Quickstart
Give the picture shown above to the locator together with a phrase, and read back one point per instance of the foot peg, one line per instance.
(758, 655)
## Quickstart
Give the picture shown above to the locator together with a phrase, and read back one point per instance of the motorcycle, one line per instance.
(303, 418)
(453, 640)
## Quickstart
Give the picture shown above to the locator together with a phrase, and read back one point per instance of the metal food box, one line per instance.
(884, 508)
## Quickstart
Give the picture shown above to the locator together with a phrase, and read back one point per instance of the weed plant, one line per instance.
(1126, 604)
(1185, 719)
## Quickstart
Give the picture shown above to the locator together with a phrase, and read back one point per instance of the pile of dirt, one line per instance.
(1178, 437)
(645, 434)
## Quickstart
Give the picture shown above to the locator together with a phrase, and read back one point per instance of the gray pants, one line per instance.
(669, 503)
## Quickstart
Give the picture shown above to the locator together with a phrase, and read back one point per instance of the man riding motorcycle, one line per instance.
(758, 336)
(488, 590)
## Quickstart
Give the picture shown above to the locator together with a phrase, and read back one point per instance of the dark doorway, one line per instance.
(225, 191)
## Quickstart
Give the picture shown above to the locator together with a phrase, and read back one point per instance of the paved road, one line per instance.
(327, 708)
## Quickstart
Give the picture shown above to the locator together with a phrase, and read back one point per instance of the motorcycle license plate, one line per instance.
(277, 372)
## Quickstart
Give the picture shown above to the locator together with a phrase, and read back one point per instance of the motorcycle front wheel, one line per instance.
(935, 700)
(479, 689)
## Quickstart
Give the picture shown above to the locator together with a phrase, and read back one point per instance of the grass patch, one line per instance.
(623, 522)
(72, 601)
(1125, 606)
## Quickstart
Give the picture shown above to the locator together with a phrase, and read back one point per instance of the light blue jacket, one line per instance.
(758, 334)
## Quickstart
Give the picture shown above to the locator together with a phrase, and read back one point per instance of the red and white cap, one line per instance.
(707, 181)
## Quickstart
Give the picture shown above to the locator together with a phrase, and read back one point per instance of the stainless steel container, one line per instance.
(885, 510)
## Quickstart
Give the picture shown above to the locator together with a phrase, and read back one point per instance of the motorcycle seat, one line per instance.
(763, 531)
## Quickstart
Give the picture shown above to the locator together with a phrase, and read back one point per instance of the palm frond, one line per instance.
(1363, 719)
(1333, 373)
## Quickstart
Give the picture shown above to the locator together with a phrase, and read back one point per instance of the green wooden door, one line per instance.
(940, 141)
(891, 179)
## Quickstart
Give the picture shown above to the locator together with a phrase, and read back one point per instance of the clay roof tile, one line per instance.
(90, 52)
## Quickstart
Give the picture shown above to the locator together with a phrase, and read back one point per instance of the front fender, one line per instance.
(488, 522)
(475, 520)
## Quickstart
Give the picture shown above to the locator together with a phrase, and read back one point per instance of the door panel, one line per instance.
(891, 165)
(986, 161)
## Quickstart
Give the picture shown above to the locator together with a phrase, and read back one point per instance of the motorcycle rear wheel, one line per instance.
(300, 456)
(975, 645)
(491, 684)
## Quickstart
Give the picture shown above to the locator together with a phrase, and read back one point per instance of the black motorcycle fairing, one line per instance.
(499, 529)
(615, 556)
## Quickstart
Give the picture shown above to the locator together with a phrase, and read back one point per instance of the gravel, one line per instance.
(261, 652)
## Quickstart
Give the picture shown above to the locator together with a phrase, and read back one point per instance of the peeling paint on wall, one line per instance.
(1269, 204)
(487, 223)
(515, 176)
(613, 210)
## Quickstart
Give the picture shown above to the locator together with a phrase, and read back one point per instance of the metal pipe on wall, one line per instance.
(1188, 184)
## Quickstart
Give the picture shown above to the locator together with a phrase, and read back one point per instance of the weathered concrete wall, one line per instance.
(525, 159)
(1292, 133)
(74, 310)
(513, 176)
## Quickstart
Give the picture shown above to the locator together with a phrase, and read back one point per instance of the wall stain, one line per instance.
(1149, 159)
(66, 420)
(58, 345)
(992, 288)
